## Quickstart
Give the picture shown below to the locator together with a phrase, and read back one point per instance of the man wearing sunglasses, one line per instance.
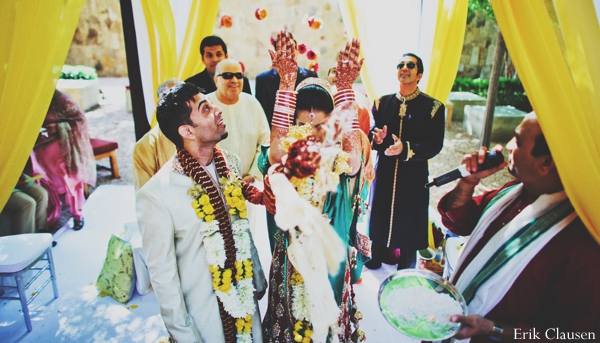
(245, 118)
(408, 131)
(212, 50)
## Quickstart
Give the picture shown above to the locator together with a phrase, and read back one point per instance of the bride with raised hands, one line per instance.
(317, 166)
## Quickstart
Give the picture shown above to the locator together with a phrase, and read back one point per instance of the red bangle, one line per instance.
(346, 95)
(469, 182)
(355, 123)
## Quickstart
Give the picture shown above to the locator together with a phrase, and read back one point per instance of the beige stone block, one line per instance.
(84, 92)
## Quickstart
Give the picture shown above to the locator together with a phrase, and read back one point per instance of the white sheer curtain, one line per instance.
(387, 29)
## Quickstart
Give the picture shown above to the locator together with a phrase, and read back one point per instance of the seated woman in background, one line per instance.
(64, 154)
(26, 208)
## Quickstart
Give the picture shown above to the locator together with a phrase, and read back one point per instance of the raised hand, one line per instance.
(396, 148)
(283, 60)
(379, 134)
(473, 160)
(348, 67)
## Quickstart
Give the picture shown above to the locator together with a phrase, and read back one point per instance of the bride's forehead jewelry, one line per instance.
(311, 115)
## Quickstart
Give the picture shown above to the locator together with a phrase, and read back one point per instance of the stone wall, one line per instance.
(248, 40)
(478, 48)
(98, 40)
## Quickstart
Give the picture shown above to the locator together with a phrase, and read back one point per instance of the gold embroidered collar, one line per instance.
(410, 97)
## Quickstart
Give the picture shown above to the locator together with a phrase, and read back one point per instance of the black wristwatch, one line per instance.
(497, 332)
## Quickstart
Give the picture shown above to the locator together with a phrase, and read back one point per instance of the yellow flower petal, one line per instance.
(227, 273)
(208, 209)
(226, 287)
(204, 199)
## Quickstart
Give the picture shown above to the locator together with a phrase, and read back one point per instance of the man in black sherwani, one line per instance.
(409, 130)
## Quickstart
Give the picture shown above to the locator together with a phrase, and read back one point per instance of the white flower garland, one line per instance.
(239, 300)
(300, 303)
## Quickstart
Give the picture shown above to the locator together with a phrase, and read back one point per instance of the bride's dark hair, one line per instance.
(313, 97)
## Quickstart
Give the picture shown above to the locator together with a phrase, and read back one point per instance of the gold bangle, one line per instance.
(497, 332)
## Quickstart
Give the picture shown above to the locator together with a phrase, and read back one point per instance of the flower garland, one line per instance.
(232, 188)
(294, 134)
(237, 296)
(300, 309)
(305, 186)
(233, 286)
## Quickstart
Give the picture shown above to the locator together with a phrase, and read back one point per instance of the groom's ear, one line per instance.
(185, 132)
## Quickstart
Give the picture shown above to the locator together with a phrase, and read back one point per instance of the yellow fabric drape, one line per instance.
(447, 47)
(445, 56)
(558, 65)
(160, 24)
(163, 48)
(201, 24)
(36, 36)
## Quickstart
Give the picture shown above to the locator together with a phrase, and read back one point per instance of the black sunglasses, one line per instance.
(409, 65)
(229, 76)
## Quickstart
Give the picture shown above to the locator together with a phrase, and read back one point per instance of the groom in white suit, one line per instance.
(202, 261)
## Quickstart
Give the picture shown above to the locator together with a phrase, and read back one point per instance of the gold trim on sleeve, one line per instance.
(436, 105)
(409, 152)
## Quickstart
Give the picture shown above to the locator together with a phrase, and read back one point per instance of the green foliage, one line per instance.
(78, 72)
(510, 91)
(482, 6)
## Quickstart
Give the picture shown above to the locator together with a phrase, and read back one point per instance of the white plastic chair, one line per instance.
(19, 254)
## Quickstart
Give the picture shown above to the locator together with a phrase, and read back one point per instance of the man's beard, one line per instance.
(223, 136)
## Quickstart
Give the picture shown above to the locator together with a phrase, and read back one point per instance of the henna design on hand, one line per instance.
(284, 60)
(348, 67)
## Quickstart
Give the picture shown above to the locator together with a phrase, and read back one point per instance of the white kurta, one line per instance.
(176, 259)
(248, 129)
